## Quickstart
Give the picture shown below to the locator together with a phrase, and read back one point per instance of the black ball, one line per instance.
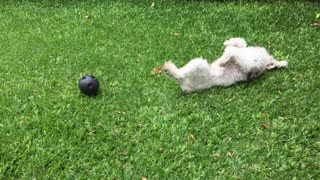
(89, 85)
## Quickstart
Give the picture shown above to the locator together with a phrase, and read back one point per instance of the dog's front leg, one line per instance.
(224, 59)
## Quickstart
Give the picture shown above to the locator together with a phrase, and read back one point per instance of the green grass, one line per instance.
(142, 125)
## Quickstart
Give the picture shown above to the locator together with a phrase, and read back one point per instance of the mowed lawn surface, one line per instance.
(141, 125)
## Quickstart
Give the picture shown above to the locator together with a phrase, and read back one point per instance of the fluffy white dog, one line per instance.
(238, 63)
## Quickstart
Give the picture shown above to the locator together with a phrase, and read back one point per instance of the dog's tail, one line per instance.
(236, 42)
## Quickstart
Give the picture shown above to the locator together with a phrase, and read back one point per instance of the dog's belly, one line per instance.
(233, 74)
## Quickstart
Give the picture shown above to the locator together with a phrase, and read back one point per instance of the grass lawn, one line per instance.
(143, 126)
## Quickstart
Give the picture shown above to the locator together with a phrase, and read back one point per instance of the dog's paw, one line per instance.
(283, 64)
(277, 64)
(236, 42)
(186, 89)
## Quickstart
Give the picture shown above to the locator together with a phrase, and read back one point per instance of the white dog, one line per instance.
(238, 63)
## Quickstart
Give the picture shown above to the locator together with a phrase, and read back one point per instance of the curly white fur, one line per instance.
(238, 63)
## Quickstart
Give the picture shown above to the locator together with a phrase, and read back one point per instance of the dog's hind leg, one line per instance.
(276, 64)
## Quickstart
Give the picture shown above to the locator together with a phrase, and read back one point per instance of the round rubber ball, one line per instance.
(89, 85)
